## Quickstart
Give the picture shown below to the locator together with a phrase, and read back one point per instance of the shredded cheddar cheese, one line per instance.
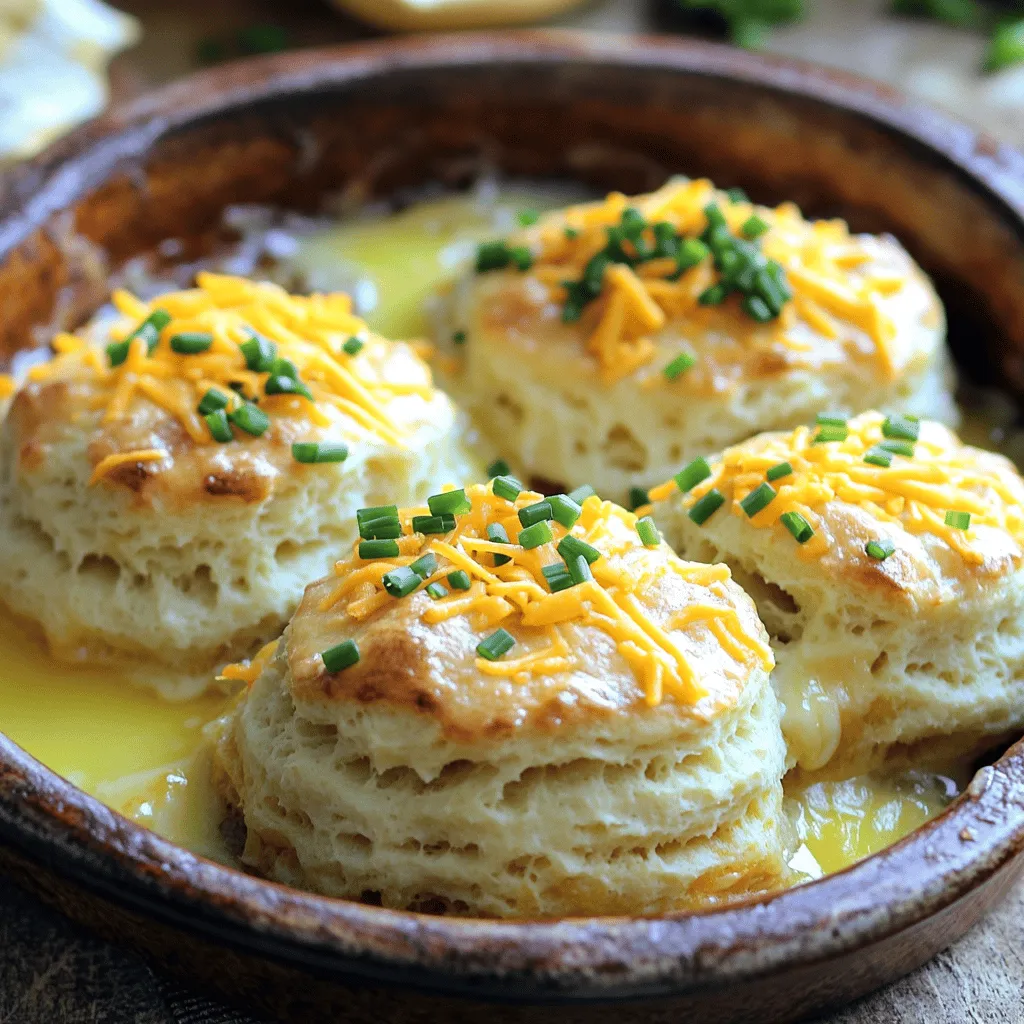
(111, 462)
(305, 335)
(249, 671)
(612, 601)
(636, 303)
(914, 491)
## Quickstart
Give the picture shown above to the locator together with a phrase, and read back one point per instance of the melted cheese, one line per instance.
(817, 257)
(914, 492)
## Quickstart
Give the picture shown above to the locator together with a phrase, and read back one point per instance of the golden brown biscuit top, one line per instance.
(885, 500)
(836, 298)
(204, 392)
(576, 614)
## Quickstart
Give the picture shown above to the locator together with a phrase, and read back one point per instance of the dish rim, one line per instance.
(580, 959)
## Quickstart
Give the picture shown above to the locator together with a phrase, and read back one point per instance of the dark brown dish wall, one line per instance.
(370, 121)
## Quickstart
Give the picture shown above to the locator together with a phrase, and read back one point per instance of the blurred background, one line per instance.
(62, 61)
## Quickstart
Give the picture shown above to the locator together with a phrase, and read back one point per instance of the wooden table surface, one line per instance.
(54, 973)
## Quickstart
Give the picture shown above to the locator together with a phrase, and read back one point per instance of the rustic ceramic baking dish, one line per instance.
(289, 130)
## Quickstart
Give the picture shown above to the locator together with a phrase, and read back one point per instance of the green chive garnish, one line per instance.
(897, 447)
(341, 656)
(527, 217)
(759, 498)
(437, 590)
(353, 346)
(571, 233)
(830, 432)
(713, 296)
(499, 467)
(958, 520)
(757, 309)
(737, 195)
(507, 487)
(797, 526)
(375, 512)
(401, 582)
(691, 252)
(538, 512)
(691, 475)
(381, 528)
(637, 497)
(754, 226)
(425, 565)
(569, 547)
(378, 549)
(498, 643)
(212, 401)
(581, 493)
(902, 428)
(459, 580)
(320, 451)
(433, 524)
(880, 549)
(458, 337)
(451, 503)
(521, 257)
(250, 418)
(649, 536)
(190, 343)
(830, 419)
(217, 421)
(777, 472)
(679, 365)
(259, 352)
(284, 368)
(707, 506)
(579, 570)
(557, 575)
(283, 385)
(492, 256)
(149, 330)
(497, 533)
(564, 510)
(534, 536)
(877, 456)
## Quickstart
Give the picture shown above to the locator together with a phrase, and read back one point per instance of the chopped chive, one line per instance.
(499, 467)
(707, 506)
(579, 570)
(754, 226)
(715, 217)
(778, 471)
(149, 330)
(212, 401)
(437, 590)
(564, 509)
(492, 256)
(679, 365)
(190, 343)
(251, 419)
(521, 257)
(637, 497)
(320, 451)
(737, 195)
(557, 575)
(259, 352)
(958, 520)
(901, 427)
(219, 426)
(692, 474)
(378, 549)
(353, 346)
(381, 528)
(284, 368)
(528, 217)
(830, 419)
(797, 526)
(713, 296)
(759, 498)
(897, 447)
(433, 524)
(282, 385)
(649, 536)
(877, 456)
(691, 252)
(880, 549)
(534, 536)
(507, 487)
(538, 512)
(757, 309)
(459, 337)
(401, 582)
(425, 565)
(376, 511)
(570, 546)
(449, 503)
(497, 533)
(498, 643)
(571, 233)
(341, 656)
(830, 432)
(459, 580)
(581, 493)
